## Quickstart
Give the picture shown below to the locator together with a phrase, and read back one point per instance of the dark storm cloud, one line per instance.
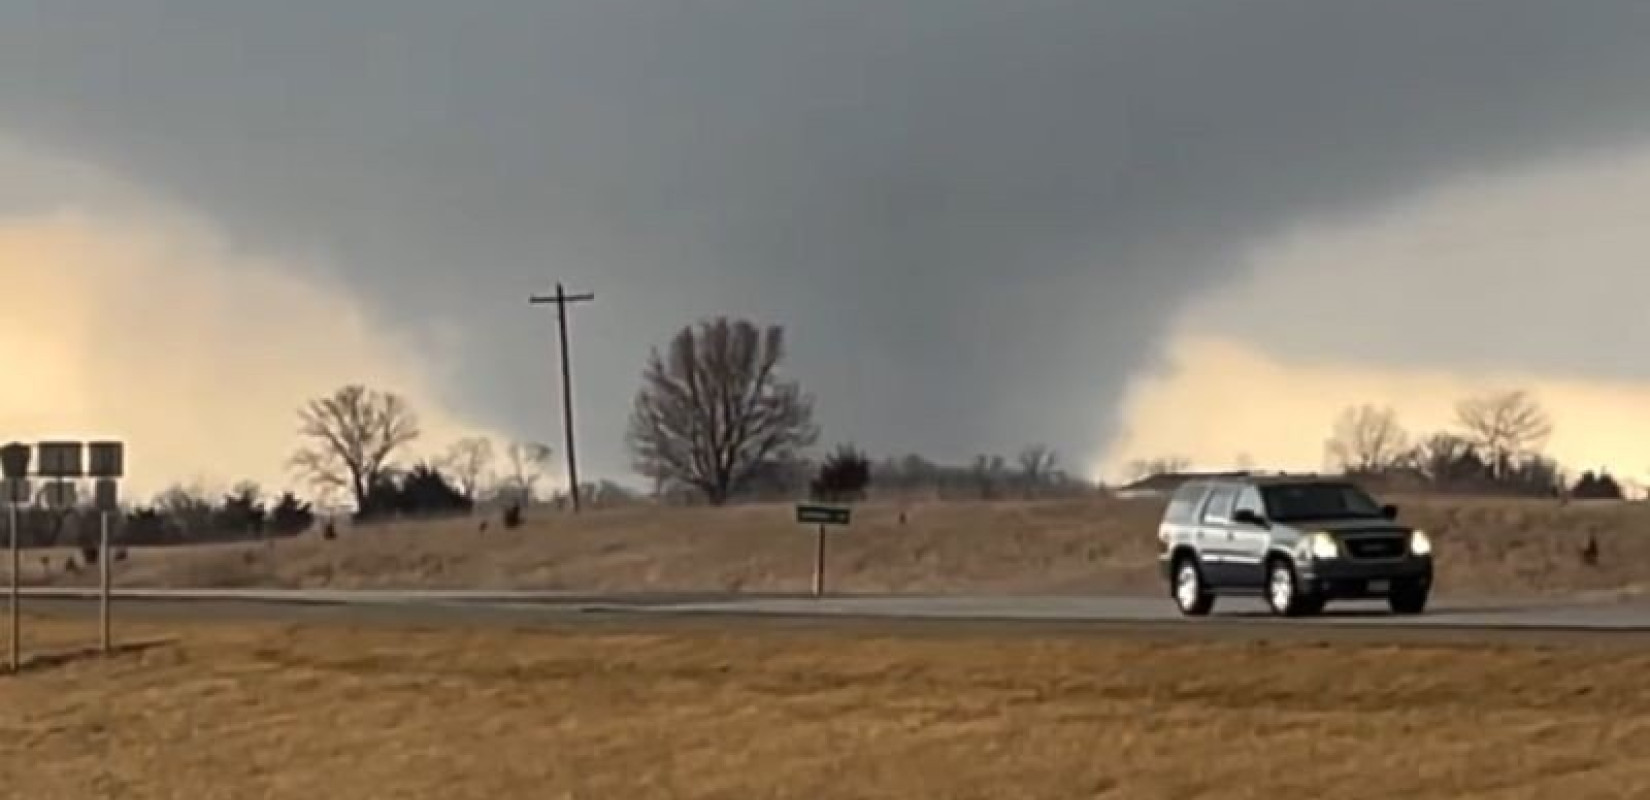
(974, 215)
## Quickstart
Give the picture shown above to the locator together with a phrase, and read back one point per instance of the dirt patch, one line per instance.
(266, 710)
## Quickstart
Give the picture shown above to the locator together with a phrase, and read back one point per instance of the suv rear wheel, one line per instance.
(1283, 592)
(1190, 593)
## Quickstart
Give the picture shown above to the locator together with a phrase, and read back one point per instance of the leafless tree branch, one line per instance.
(1504, 426)
(712, 410)
(470, 463)
(1367, 439)
(350, 438)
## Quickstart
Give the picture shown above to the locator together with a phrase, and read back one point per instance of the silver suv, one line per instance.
(1297, 541)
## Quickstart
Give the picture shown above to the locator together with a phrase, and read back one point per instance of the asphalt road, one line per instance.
(1448, 620)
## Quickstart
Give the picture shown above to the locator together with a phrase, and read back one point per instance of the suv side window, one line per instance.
(1183, 506)
(1249, 500)
(1219, 508)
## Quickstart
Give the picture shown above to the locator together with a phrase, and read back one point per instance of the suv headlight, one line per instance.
(1322, 545)
(1419, 544)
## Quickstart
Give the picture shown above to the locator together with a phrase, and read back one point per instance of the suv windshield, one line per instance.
(1318, 501)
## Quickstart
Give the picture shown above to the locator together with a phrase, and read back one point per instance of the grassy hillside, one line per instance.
(1485, 547)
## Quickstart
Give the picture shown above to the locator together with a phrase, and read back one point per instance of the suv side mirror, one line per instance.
(1389, 511)
(1247, 517)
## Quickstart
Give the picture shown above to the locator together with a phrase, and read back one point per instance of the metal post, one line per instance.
(819, 564)
(567, 398)
(16, 592)
(103, 597)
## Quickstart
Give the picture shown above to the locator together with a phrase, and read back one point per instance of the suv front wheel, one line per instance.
(1283, 591)
(1409, 597)
(1190, 594)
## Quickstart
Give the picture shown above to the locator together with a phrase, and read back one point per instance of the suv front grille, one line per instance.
(1376, 547)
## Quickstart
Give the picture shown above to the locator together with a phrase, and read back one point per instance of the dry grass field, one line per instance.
(280, 711)
(1486, 547)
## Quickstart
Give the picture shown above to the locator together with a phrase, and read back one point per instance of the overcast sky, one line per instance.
(980, 220)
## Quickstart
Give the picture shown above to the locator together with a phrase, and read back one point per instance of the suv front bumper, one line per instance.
(1346, 578)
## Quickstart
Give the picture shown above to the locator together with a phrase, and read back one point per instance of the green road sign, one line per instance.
(807, 514)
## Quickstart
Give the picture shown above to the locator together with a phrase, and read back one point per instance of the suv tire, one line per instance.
(1407, 598)
(1191, 594)
(1283, 592)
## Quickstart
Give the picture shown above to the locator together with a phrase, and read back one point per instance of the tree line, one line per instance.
(715, 420)
(1495, 446)
(179, 515)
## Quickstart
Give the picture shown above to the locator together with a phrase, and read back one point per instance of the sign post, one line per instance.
(823, 517)
(14, 464)
(16, 604)
(105, 639)
(107, 467)
(60, 465)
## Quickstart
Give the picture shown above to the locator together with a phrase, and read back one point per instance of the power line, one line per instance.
(561, 301)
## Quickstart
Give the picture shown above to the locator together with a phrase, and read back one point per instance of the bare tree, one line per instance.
(1504, 426)
(528, 462)
(1038, 463)
(470, 463)
(188, 508)
(1144, 468)
(351, 438)
(1367, 439)
(988, 472)
(1447, 460)
(712, 410)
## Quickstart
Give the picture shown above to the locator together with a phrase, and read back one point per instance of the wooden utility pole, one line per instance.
(561, 301)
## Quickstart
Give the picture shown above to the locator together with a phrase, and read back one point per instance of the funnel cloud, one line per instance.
(981, 221)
